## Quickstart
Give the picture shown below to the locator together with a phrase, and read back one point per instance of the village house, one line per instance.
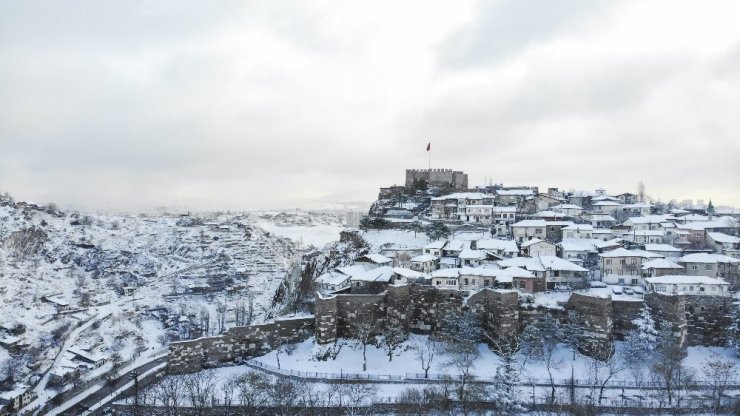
(552, 272)
(434, 248)
(11, 402)
(540, 202)
(528, 229)
(639, 208)
(500, 248)
(513, 196)
(578, 250)
(333, 281)
(660, 267)
(425, 263)
(537, 248)
(454, 206)
(554, 230)
(502, 217)
(446, 279)
(581, 198)
(606, 207)
(665, 250)
(578, 231)
(712, 265)
(627, 198)
(623, 267)
(600, 220)
(645, 236)
(570, 210)
(602, 234)
(723, 243)
(688, 285)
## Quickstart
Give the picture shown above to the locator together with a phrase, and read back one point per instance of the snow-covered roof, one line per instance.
(378, 274)
(724, 238)
(424, 258)
(623, 252)
(515, 192)
(660, 264)
(549, 214)
(567, 206)
(355, 269)
(541, 264)
(435, 245)
(579, 227)
(533, 241)
(457, 245)
(688, 280)
(707, 258)
(480, 271)
(378, 258)
(662, 247)
(529, 223)
(638, 205)
(507, 246)
(462, 195)
(610, 243)
(606, 204)
(446, 273)
(499, 209)
(601, 217)
(579, 244)
(408, 273)
(472, 254)
(649, 233)
(332, 278)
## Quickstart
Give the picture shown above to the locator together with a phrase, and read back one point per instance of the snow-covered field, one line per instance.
(306, 228)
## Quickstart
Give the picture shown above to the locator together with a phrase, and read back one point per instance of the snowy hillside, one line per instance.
(136, 282)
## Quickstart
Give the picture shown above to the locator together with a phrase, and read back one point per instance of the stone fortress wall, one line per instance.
(438, 177)
(695, 320)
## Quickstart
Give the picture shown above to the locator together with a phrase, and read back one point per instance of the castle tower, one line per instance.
(710, 210)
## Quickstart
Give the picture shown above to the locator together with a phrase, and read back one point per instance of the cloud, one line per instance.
(502, 29)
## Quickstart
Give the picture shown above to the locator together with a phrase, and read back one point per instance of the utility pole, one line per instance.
(135, 377)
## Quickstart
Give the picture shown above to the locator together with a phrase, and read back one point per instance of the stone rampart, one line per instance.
(236, 343)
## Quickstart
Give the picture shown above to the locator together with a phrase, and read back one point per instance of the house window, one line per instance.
(709, 267)
(521, 284)
(607, 271)
(633, 261)
(660, 288)
(486, 282)
(438, 282)
(701, 289)
(621, 272)
(633, 272)
(473, 281)
(634, 281)
(694, 267)
(620, 281)
(691, 288)
(622, 261)
(608, 262)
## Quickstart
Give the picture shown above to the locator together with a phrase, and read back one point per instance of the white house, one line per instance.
(688, 285)
(578, 231)
(666, 250)
(538, 248)
(623, 267)
(660, 267)
(501, 248)
(424, 263)
(570, 210)
(528, 229)
(446, 279)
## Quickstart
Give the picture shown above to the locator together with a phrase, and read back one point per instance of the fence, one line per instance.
(417, 378)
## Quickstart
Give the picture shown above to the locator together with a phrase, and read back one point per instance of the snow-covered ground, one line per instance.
(309, 229)
(396, 239)
(59, 270)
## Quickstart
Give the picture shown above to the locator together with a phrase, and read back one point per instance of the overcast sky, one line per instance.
(132, 105)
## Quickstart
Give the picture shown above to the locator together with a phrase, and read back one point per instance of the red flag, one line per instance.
(429, 146)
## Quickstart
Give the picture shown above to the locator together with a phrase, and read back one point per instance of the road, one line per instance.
(102, 393)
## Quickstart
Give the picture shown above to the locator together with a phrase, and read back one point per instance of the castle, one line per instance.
(443, 178)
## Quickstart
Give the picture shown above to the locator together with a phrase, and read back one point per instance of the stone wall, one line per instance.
(236, 343)
(669, 309)
(499, 309)
(595, 316)
(437, 177)
(707, 319)
(623, 313)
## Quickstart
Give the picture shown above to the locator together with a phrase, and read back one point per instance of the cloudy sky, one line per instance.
(133, 105)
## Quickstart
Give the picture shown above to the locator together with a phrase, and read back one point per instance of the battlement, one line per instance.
(445, 178)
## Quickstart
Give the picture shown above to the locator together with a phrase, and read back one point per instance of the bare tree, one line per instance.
(254, 391)
(717, 373)
(425, 352)
(221, 316)
(604, 365)
(169, 391)
(365, 331)
(355, 397)
(200, 390)
(394, 335)
(667, 368)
